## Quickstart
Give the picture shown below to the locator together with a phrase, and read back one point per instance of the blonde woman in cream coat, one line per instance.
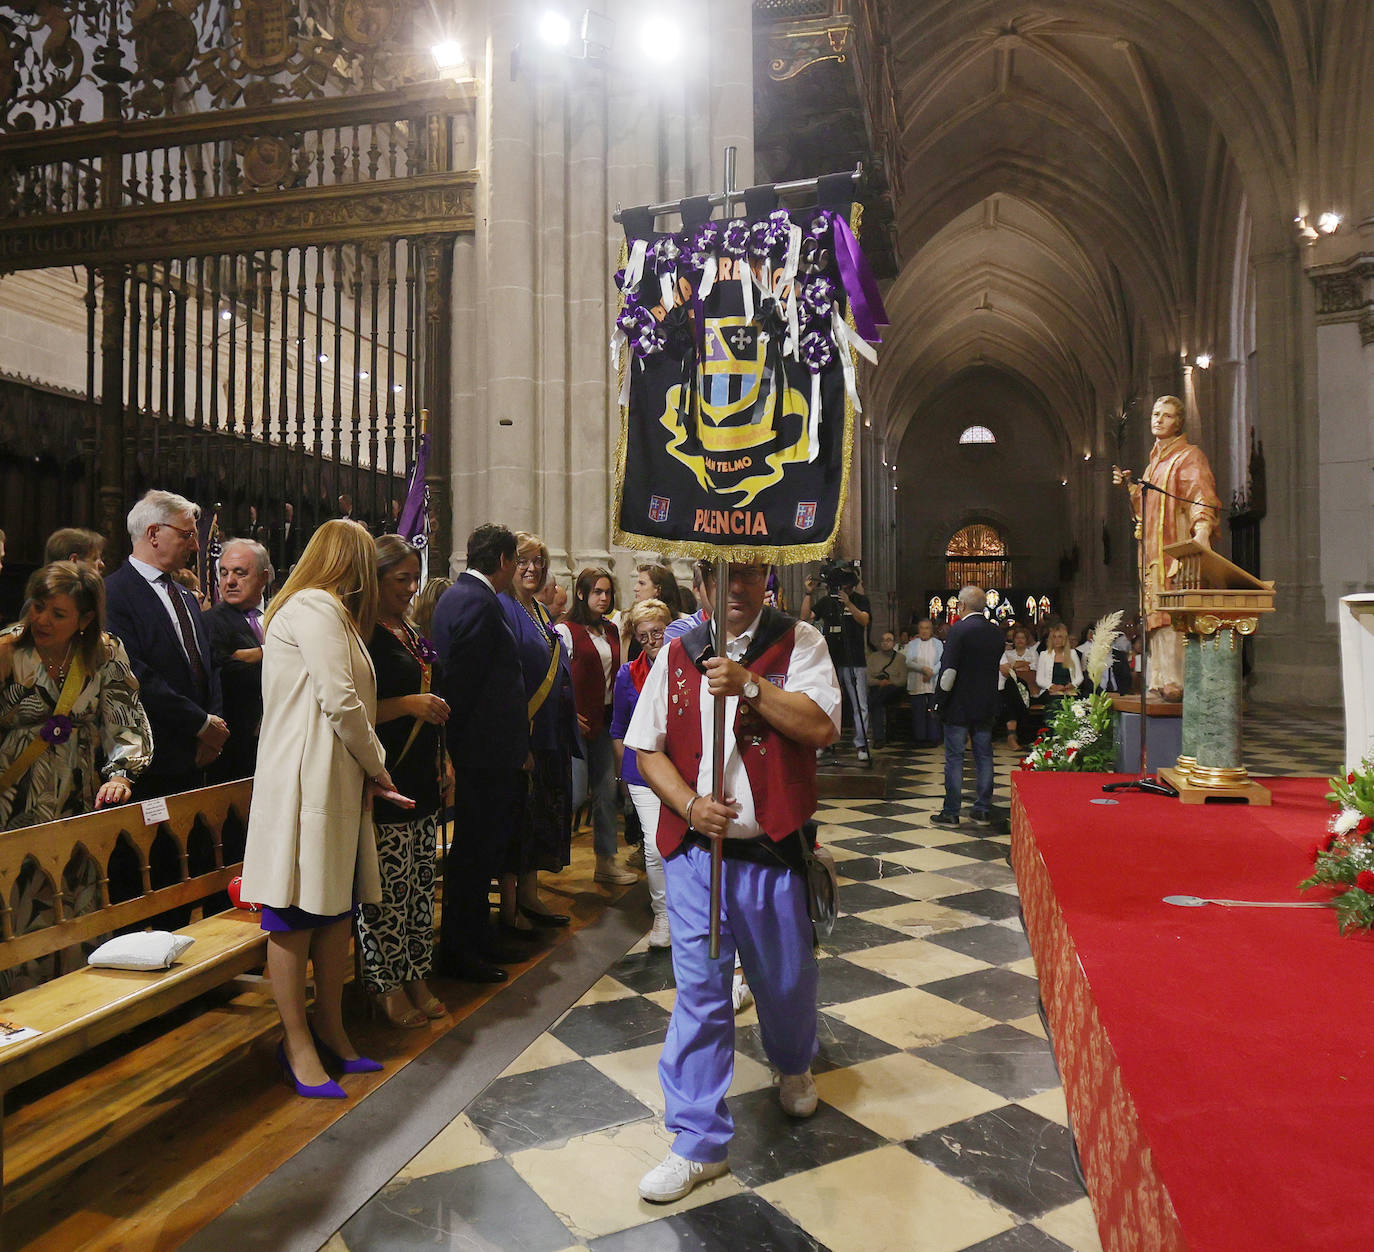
(311, 857)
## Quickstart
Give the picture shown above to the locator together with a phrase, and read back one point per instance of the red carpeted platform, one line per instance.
(1218, 1062)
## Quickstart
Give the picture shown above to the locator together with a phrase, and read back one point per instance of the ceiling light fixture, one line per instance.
(448, 55)
(555, 30)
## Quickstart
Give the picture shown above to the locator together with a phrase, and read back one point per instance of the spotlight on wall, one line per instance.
(660, 39)
(364, 375)
(1088, 456)
(1203, 360)
(1329, 222)
(447, 55)
(225, 315)
(555, 30)
(1063, 482)
(323, 358)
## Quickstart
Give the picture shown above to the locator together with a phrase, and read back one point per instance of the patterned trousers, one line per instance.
(396, 937)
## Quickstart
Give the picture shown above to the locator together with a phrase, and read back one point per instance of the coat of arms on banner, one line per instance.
(736, 343)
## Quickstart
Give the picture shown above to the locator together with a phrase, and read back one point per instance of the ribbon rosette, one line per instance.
(428, 653)
(56, 730)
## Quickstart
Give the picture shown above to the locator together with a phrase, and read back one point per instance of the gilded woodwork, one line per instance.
(433, 204)
(152, 58)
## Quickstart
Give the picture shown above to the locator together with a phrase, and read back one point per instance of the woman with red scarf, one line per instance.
(645, 623)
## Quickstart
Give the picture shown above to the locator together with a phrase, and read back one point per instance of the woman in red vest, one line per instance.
(593, 643)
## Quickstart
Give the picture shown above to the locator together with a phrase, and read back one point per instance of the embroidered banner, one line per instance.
(735, 347)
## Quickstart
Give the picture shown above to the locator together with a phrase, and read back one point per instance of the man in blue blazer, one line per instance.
(159, 623)
(489, 743)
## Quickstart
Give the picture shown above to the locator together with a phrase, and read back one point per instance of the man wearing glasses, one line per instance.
(782, 702)
(160, 625)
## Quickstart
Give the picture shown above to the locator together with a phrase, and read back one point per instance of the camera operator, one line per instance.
(841, 613)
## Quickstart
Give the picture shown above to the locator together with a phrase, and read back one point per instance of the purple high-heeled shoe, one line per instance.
(325, 1091)
(357, 1065)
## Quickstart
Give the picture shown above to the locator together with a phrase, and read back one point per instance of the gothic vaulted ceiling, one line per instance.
(1080, 178)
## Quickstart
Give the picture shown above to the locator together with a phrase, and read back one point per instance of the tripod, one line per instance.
(1144, 781)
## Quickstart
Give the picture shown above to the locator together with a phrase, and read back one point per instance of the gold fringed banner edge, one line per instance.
(774, 554)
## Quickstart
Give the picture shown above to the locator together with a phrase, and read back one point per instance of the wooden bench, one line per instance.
(75, 1012)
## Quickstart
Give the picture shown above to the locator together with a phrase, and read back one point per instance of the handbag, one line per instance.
(822, 883)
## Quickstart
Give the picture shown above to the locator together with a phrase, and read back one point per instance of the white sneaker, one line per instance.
(659, 936)
(797, 1094)
(675, 1176)
(740, 995)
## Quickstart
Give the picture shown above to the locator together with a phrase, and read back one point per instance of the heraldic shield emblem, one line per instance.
(742, 421)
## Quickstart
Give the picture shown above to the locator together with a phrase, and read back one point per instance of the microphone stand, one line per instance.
(1144, 781)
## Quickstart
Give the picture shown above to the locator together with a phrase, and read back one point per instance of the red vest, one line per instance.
(588, 678)
(781, 772)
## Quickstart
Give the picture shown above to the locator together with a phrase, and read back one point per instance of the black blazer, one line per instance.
(973, 649)
(135, 614)
(241, 682)
(482, 681)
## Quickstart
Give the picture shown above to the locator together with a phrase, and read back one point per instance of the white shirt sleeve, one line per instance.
(1044, 669)
(810, 671)
(648, 728)
(566, 636)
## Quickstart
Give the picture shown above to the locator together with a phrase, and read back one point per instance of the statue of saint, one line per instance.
(1189, 508)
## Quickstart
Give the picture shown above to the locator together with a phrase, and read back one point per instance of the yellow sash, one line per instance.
(76, 679)
(536, 701)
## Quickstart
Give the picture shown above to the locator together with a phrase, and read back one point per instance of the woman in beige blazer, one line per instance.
(311, 857)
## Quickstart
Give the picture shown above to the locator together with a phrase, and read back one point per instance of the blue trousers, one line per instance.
(594, 777)
(954, 767)
(763, 916)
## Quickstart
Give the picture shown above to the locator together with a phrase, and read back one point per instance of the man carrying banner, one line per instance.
(782, 703)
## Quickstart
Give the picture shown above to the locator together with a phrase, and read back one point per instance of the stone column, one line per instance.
(1217, 715)
(1192, 693)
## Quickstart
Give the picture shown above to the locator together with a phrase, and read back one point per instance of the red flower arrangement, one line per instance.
(1344, 859)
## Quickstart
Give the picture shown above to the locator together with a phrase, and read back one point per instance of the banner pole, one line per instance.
(718, 610)
(719, 602)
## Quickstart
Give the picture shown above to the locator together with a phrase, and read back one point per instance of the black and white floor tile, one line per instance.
(941, 1125)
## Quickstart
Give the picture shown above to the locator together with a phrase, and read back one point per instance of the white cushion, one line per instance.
(149, 949)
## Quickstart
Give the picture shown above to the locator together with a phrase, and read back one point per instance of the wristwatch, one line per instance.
(751, 688)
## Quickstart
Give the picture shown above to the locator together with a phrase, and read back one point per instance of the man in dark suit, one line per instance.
(967, 687)
(489, 744)
(159, 623)
(235, 627)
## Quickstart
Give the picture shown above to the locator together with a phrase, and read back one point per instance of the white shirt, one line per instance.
(920, 652)
(164, 593)
(808, 670)
(1031, 656)
(476, 573)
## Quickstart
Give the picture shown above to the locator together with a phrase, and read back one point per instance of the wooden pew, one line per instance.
(75, 1012)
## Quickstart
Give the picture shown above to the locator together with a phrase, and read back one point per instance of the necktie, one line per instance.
(255, 621)
(188, 632)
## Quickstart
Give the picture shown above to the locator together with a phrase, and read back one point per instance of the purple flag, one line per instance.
(414, 518)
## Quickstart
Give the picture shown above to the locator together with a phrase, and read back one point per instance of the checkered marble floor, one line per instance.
(941, 1125)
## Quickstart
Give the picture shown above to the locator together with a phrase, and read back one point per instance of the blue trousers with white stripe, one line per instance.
(764, 918)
